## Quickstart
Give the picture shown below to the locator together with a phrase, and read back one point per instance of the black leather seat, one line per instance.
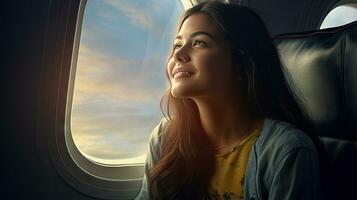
(323, 64)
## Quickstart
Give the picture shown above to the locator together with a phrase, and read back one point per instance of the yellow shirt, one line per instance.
(227, 182)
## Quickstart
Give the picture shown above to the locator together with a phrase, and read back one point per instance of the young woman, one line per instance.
(230, 130)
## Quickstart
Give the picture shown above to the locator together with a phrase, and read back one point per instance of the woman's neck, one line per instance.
(225, 120)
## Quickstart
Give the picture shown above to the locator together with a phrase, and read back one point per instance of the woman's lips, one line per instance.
(183, 74)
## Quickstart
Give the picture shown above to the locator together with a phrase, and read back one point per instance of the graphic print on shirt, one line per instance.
(227, 182)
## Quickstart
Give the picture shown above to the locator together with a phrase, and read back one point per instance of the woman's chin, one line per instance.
(180, 93)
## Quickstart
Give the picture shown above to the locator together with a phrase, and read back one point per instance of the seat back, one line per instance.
(323, 66)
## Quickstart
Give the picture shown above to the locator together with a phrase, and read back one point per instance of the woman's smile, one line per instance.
(181, 73)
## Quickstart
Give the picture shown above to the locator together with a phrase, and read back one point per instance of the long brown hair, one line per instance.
(187, 163)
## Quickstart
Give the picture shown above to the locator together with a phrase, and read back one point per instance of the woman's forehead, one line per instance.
(200, 22)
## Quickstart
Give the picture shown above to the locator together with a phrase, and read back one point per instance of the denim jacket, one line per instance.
(283, 164)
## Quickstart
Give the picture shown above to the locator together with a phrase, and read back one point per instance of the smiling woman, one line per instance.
(113, 112)
(232, 129)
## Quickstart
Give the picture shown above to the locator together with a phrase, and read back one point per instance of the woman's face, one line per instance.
(201, 64)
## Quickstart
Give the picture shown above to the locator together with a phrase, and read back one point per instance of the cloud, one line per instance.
(114, 108)
(113, 136)
(138, 15)
(99, 146)
(117, 92)
(102, 76)
(121, 125)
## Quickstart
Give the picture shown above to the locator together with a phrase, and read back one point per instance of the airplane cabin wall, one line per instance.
(36, 28)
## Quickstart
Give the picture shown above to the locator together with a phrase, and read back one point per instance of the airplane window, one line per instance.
(341, 15)
(120, 77)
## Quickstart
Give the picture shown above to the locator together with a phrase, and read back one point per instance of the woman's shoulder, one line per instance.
(157, 133)
(282, 136)
(156, 141)
(285, 156)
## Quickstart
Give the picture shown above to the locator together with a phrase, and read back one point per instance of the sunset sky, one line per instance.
(120, 75)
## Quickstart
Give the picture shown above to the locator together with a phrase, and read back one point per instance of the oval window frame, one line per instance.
(88, 176)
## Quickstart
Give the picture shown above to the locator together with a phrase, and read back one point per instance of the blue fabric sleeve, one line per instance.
(152, 157)
(297, 176)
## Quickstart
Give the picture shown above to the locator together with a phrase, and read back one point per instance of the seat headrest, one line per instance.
(323, 65)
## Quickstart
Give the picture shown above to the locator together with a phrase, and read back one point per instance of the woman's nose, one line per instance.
(181, 56)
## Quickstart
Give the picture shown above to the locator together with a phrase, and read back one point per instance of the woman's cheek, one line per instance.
(211, 64)
(215, 70)
(170, 67)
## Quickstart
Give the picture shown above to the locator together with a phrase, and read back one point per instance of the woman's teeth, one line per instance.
(182, 74)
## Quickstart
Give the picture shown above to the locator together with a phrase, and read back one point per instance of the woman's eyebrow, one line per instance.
(197, 33)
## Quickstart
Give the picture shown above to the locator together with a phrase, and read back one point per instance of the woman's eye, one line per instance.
(200, 43)
(176, 46)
